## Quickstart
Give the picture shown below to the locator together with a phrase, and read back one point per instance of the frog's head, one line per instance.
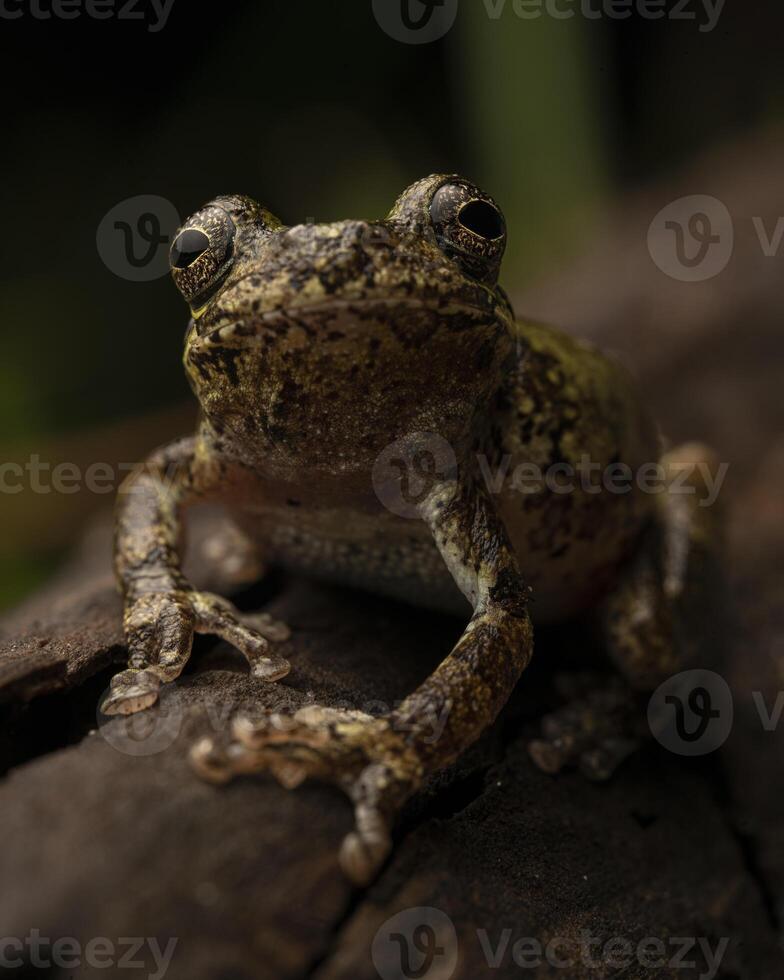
(318, 345)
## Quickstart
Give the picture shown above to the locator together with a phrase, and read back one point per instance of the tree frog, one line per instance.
(372, 412)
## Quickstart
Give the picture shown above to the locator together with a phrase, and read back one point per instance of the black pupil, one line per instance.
(188, 247)
(482, 219)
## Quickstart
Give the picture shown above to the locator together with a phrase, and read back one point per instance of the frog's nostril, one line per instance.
(364, 235)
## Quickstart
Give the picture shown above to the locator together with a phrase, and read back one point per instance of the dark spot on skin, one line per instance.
(507, 592)
(293, 503)
(485, 355)
(290, 396)
(277, 434)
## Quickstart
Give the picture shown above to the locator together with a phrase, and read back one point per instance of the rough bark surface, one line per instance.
(106, 832)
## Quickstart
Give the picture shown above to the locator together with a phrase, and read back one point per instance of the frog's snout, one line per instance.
(334, 247)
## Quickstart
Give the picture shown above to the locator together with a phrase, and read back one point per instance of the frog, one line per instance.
(361, 385)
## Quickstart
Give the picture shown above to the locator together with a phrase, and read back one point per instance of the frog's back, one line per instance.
(570, 435)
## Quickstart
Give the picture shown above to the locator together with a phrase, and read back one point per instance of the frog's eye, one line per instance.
(470, 228)
(187, 247)
(202, 254)
(483, 219)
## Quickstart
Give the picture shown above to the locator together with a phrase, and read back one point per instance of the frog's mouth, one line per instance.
(337, 319)
(340, 318)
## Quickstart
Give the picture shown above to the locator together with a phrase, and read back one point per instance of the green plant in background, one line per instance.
(529, 91)
(21, 573)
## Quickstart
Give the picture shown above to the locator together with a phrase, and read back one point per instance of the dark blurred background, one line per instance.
(313, 109)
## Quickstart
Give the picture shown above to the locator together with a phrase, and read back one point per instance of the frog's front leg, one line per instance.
(381, 761)
(162, 609)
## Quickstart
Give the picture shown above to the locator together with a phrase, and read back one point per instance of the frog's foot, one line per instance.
(597, 730)
(159, 629)
(355, 751)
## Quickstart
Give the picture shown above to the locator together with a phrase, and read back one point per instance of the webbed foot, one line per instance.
(159, 628)
(355, 751)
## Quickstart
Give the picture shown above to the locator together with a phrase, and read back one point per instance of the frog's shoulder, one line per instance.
(538, 341)
(548, 357)
(566, 391)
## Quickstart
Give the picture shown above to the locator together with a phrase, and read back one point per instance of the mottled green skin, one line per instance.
(313, 348)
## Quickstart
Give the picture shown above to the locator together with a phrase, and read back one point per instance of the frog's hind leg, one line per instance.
(649, 621)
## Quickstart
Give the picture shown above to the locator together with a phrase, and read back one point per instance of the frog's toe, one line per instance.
(251, 635)
(365, 849)
(314, 741)
(597, 763)
(131, 691)
(596, 731)
(347, 748)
